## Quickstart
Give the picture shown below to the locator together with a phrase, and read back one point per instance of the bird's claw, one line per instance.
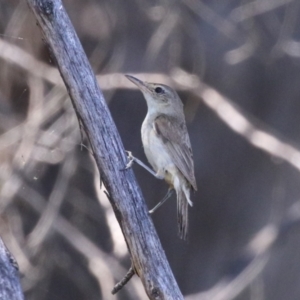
(130, 160)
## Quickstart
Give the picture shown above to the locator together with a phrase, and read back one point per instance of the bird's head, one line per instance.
(160, 98)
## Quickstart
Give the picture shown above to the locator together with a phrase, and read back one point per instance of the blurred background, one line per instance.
(236, 66)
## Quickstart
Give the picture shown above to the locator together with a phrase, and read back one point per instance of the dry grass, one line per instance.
(54, 217)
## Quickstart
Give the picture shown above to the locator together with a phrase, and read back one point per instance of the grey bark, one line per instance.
(10, 288)
(148, 258)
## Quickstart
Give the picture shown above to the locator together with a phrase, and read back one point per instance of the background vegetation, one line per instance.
(236, 66)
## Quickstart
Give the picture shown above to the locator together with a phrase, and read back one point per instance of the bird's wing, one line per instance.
(175, 136)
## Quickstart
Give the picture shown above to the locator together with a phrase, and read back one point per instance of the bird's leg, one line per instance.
(158, 175)
(133, 159)
(159, 204)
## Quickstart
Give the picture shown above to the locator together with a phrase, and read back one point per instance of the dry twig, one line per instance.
(147, 255)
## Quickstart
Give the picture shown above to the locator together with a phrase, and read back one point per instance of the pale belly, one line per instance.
(157, 155)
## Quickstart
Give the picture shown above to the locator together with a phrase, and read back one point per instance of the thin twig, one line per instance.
(123, 282)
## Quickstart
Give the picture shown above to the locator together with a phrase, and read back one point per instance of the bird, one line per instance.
(167, 146)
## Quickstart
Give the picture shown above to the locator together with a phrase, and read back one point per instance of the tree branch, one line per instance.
(147, 255)
(10, 288)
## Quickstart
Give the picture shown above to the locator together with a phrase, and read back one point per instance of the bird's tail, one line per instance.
(183, 201)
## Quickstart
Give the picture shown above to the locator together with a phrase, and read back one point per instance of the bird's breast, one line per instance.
(155, 149)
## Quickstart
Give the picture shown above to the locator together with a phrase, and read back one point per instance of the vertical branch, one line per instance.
(148, 258)
(10, 288)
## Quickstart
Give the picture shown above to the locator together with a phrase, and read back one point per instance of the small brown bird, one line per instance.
(167, 146)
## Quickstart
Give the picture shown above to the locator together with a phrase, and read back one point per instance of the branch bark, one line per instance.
(148, 258)
(10, 288)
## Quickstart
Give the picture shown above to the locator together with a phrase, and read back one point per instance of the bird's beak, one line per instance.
(143, 86)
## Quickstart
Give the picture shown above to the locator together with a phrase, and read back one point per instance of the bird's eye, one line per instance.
(159, 90)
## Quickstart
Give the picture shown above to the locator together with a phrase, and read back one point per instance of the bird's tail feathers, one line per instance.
(182, 214)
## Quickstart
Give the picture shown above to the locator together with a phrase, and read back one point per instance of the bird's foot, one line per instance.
(130, 160)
